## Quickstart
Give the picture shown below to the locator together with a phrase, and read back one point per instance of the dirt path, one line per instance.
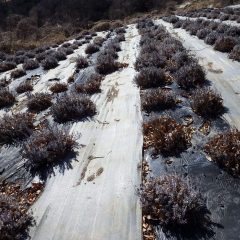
(223, 73)
(96, 198)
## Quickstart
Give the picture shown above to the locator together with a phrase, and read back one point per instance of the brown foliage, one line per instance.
(207, 103)
(224, 150)
(157, 99)
(91, 86)
(166, 136)
(58, 88)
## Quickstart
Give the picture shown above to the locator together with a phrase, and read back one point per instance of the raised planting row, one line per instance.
(42, 145)
(106, 60)
(224, 38)
(44, 142)
(104, 63)
(26, 85)
(51, 58)
(48, 56)
(223, 14)
(181, 116)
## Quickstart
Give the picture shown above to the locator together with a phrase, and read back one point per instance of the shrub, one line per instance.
(194, 28)
(15, 221)
(222, 28)
(225, 44)
(49, 63)
(233, 32)
(47, 148)
(235, 53)
(190, 76)
(41, 56)
(81, 62)
(173, 19)
(30, 54)
(20, 59)
(60, 55)
(15, 127)
(151, 77)
(224, 150)
(6, 66)
(158, 99)
(110, 51)
(23, 87)
(58, 88)
(30, 64)
(213, 25)
(178, 60)
(120, 38)
(39, 102)
(18, 73)
(98, 41)
(207, 103)
(67, 50)
(166, 136)
(202, 33)
(224, 17)
(78, 43)
(74, 46)
(72, 107)
(106, 64)
(178, 24)
(211, 38)
(6, 98)
(40, 50)
(88, 37)
(66, 45)
(120, 30)
(71, 79)
(174, 204)
(92, 48)
(114, 44)
(170, 49)
(154, 59)
(92, 86)
(4, 82)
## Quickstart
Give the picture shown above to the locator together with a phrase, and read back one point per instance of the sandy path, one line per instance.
(223, 73)
(96, 198)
